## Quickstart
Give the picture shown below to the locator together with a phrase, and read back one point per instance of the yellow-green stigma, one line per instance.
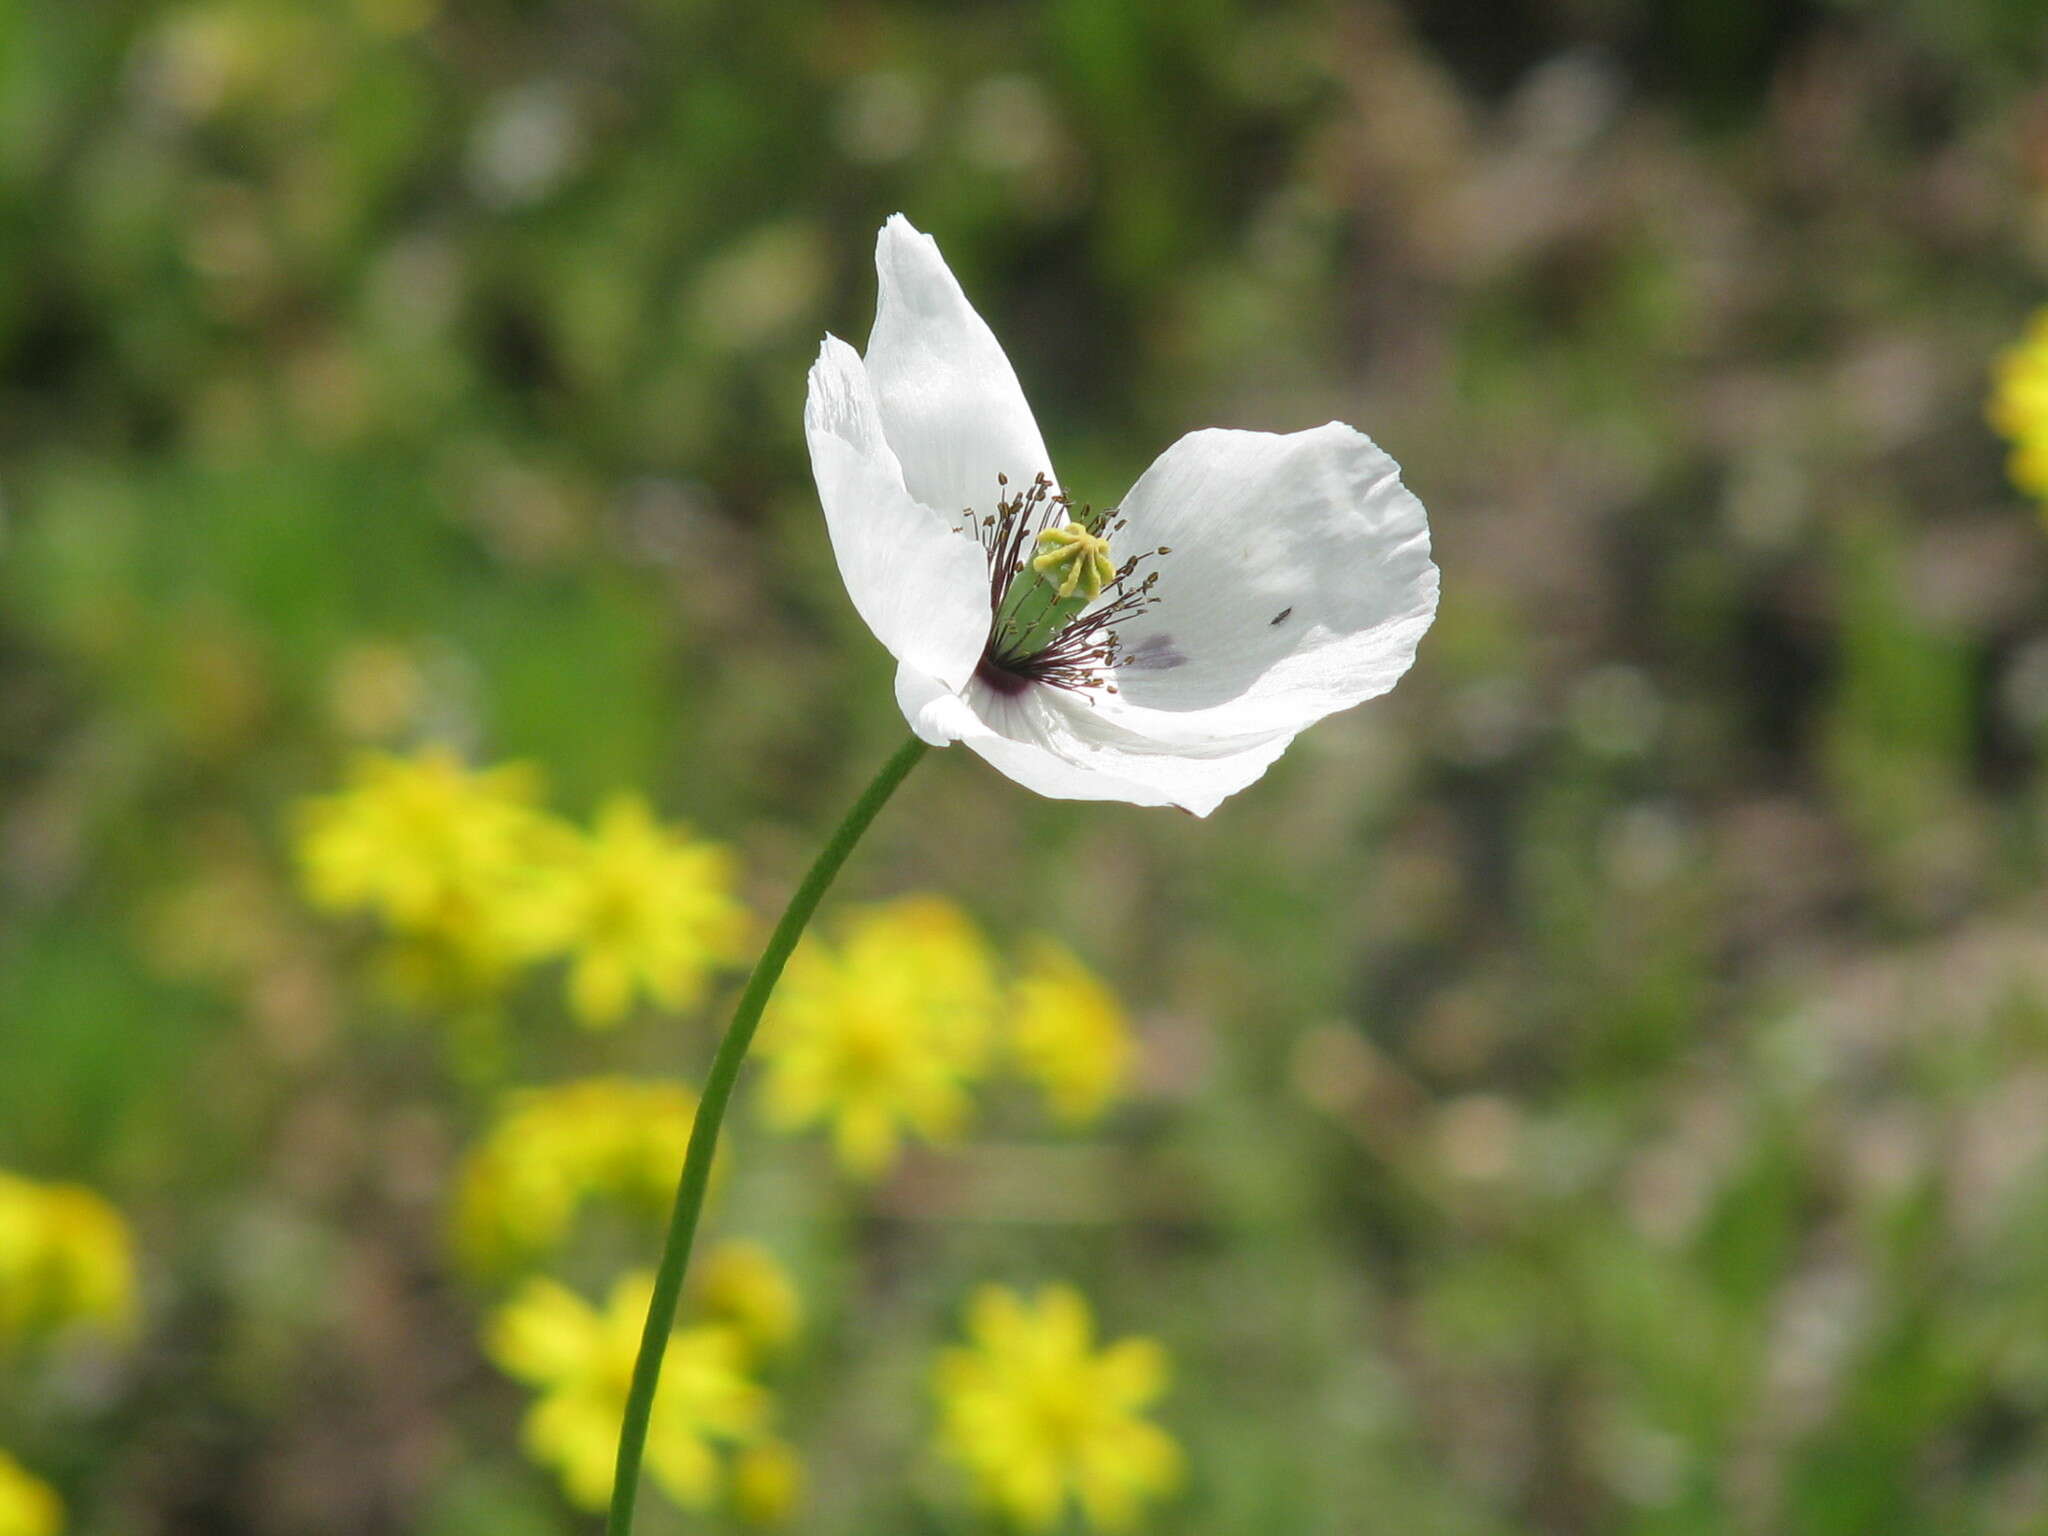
(1082, 556)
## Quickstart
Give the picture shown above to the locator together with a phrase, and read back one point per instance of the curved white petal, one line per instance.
(951, 405)
(1061, 745)
(937, 713)
(1299, 583)
(918, 579)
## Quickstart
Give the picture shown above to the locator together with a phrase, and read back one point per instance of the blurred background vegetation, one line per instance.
(1602, 1088)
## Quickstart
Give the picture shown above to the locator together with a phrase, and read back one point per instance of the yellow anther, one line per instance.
(1081, 555)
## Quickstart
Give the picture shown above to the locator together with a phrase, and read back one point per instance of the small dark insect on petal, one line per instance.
(1279, 618)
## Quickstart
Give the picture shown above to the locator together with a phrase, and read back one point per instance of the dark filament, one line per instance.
(1088, 649)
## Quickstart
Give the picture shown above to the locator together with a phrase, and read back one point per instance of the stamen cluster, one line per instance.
(1087, 651)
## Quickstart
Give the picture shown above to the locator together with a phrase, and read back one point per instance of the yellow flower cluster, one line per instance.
(552, 1150)
(581, 1361)
(28, 1505)
(474, 879)
(1039, 1418)
(66, 1261)
(550, 1153)
(711, 1430)
(883, 1036)
(441, 855)
(2019, 406)
(639, 908)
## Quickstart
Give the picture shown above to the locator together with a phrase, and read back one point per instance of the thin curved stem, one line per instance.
(718, 1086)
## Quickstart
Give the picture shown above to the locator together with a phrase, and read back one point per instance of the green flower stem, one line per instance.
(718, 1086)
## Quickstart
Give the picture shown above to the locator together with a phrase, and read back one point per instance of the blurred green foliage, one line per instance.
(1602, 1088)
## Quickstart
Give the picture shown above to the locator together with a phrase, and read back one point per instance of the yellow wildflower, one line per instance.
(89, 1257)
(639, 908)
(443, 854)
(1037, 1416)
(1068, 1033)
(2019, 406)
(28, 1505)
(767, 1483)
(880, 1037)
(581, 1360)
(66, 1260)
(410, 836)
(740, 1284)
(552, 1149)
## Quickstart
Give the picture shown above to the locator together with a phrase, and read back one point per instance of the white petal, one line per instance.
(1060, 744)
(951, 405)
(1299, 583)
(919, 581)
(936, 712)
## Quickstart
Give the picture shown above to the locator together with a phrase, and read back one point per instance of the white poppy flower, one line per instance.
(1163, 653)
